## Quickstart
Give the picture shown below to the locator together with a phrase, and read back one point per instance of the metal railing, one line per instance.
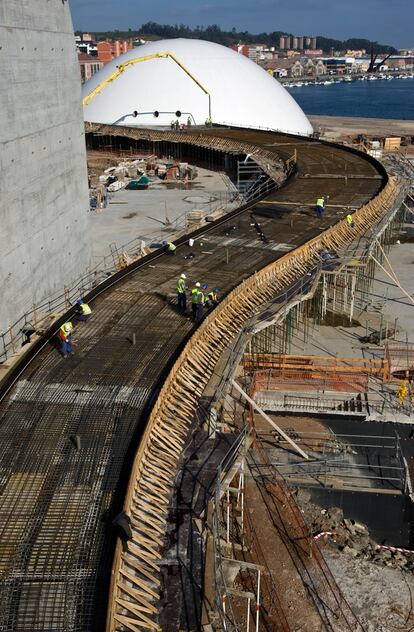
(318, 403)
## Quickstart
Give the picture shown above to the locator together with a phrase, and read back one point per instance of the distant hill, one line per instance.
(213, 33)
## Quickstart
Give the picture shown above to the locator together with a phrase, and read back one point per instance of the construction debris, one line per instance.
(351, 537)
(137, 173)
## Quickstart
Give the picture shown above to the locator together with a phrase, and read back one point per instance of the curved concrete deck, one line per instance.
(70, 428)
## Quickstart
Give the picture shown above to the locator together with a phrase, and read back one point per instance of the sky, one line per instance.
(386, 21)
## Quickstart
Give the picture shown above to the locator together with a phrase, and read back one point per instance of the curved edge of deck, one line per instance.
(135, 582)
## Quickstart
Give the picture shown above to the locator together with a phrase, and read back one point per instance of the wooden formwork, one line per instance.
(269, 161)
(135, 586)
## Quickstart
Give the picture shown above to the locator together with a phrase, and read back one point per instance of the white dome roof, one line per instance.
(240, 92)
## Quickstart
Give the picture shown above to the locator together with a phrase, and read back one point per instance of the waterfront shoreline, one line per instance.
(381, 99)
(336, 127)
(347, 78)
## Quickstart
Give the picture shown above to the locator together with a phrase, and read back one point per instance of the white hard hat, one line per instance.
(66, 327)
(197, 284)
(183, 276)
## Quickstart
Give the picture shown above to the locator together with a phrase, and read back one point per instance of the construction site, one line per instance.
(250, 472)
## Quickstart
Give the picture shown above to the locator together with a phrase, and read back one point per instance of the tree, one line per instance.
(213, 33)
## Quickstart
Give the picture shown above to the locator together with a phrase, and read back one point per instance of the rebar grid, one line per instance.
(67, 437)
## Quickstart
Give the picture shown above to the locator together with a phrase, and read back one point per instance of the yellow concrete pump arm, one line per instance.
(131, 62)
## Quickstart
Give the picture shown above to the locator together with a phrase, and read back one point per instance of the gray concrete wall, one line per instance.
(44, 223)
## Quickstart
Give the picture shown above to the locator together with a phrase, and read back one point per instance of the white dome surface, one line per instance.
(240, 92)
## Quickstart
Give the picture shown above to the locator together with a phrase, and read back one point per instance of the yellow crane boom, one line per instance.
(136, 60)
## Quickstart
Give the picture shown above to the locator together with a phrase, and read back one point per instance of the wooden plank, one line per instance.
(141, 568)
(135, 608)
(133, 624)
(138, 595)
(137, 581)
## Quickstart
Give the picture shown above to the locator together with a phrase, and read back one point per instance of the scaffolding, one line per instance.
(242, 588)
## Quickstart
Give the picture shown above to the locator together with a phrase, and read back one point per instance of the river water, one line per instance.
(372, 99)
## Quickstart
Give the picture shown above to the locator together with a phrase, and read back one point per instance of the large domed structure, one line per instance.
(195, 78)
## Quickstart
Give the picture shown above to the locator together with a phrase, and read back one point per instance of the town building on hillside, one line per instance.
(85, 43)
(317, 52)
(279, 67)
(89, 65)
(400, 62)
(356, 53)
(256, 52)
(109, 50)
(313, 67)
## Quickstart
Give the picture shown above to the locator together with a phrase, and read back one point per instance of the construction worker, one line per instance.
(212, 298)
(181, 295)
(84, 311)
(402, 391)
(200, 300)
(350, 220)
(194, 299)
(189, 123)
(169, 247)
(172, 124)
(320, 207)
(65, 338)
(208, 121)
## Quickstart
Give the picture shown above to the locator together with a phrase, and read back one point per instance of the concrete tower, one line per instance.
(44, 234)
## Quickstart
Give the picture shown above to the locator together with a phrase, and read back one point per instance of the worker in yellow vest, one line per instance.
(212, 298)
(169, 247)
(200, 300)
(65, 339)
(402, 392)
(350, 220)
(181, 295)
(84, 311)
(194, 299)
(320, 207)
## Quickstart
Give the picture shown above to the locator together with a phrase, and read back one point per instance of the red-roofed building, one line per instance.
(241, 48)
(109, 50)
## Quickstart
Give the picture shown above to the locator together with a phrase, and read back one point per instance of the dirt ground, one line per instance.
(377, 584)
(381, 597)
(292, 596)
(340, 127)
